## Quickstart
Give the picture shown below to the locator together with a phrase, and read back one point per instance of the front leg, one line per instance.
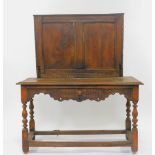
(134, 145)
(25, 143)
(32, 122)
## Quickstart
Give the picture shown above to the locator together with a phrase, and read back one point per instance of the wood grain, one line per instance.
(66, 44)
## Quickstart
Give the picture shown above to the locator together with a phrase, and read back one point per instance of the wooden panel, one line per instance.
(99, 45)
(38, 45)
(79, 46)
(59, 45)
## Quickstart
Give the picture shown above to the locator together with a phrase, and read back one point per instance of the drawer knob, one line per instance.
(79, 92)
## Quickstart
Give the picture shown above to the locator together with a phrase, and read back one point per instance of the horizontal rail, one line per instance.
(78, 144)
(79, 132)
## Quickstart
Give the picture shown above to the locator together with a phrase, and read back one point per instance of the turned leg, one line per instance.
(25, 144)
(128, 120)
(134, 145)
(32, 122)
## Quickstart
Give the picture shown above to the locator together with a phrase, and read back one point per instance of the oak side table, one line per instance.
(79, 57)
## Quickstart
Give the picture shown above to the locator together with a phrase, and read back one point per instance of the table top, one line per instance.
(126, 80)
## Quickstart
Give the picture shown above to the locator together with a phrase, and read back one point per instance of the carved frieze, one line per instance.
(80, 94)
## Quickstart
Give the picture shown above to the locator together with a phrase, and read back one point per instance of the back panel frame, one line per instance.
(79, 46)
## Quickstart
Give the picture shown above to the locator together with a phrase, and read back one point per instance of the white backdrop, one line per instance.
(19, 63)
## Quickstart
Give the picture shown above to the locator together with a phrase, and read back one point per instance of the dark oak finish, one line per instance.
(79, 57)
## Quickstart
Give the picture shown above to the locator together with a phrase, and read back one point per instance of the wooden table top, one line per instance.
(126, 80)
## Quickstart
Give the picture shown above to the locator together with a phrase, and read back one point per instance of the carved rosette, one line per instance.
(80, 94)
